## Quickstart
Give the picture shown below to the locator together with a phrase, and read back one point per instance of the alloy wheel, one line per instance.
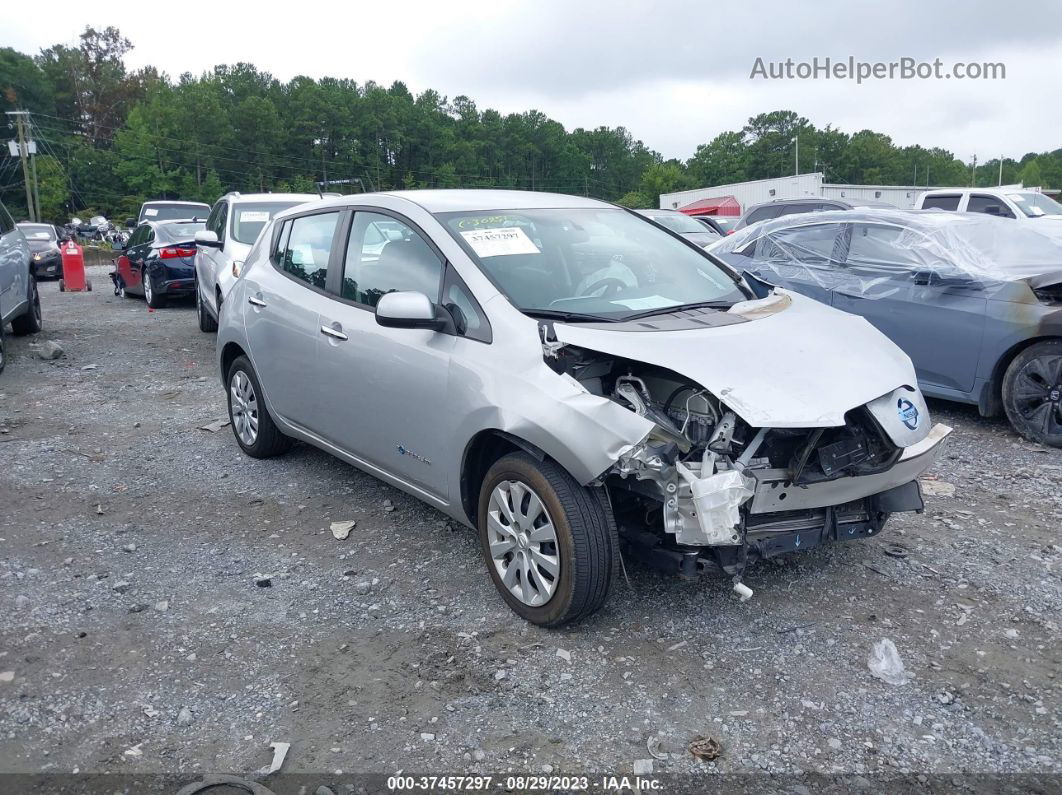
(244, 405)
(523, 542)
(147, 287)
(1038, 393)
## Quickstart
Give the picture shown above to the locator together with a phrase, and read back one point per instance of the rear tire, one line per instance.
(207, 324)
(1032, 393)
(154, 300)
(3, 350)
(252, 425)
(31, 322)
(586, 544)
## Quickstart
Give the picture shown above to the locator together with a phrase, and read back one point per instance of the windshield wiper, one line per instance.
(666, 310)
(567, 317)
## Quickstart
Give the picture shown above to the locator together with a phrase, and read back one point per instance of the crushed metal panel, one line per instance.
(801, 367)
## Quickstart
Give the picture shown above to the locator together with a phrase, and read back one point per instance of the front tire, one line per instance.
(31, 322)
(550, 544)
(207, 324)
(252, 425)
(1032, 393)
(3, 350)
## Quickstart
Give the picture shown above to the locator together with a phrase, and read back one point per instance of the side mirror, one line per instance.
(207, 239)
(130, 223)
(408, 310)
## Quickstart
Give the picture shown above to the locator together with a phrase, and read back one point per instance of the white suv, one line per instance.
(231, 229)
(1021, 204)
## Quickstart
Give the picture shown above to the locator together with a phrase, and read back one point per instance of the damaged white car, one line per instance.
(567, 377)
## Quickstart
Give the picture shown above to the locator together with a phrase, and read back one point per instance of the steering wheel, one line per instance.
(612, 285)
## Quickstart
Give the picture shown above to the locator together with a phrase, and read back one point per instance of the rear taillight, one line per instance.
(173, 253)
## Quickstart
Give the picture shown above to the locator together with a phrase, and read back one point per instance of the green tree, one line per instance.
(53, 187)
(23, 86)
(1030, 175)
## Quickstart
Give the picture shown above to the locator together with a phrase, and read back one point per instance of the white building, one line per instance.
(795, 187)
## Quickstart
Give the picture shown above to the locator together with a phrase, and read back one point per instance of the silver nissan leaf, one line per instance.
(569, 379)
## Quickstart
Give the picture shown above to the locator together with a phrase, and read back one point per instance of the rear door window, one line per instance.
(762, 214)
(814, 245)
(308, 247)
(948, 202)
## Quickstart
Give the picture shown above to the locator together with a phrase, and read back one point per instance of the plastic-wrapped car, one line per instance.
(975, 301)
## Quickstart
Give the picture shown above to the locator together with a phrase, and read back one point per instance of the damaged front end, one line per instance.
(708, 490)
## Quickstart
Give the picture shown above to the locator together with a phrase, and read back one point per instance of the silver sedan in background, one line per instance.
(562, 375)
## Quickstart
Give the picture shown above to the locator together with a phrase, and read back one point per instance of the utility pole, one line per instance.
(324, 167)
(973, 173)
(36, 186)
(23, 153)
(1001, 171)
(796, 157)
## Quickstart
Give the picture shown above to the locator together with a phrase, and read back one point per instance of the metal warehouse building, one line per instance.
(795, 187)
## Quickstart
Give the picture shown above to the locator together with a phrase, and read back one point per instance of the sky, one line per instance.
(674, 73)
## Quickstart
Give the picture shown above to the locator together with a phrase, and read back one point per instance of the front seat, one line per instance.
(403, 265)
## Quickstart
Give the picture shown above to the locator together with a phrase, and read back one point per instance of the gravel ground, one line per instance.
(134, 637)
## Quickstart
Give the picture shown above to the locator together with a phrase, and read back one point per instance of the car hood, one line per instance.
(792, 363)
(40, 246)
(700, 238)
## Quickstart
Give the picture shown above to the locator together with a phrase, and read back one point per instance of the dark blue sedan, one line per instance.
(158, 262)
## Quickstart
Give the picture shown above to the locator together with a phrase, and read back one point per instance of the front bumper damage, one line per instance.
(770, 512)
(755, 448)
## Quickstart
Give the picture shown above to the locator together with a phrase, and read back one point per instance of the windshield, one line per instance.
(676, 222)
(172, 212)
(597, 263)
(249, 219)
(1035, 205)
(38, 231)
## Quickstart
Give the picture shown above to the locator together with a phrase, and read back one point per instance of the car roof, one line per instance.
(236, 198)
(800, 200)
(471, 200)
(174, 201)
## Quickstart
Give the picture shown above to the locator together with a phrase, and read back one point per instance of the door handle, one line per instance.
(334, 333)
(256, 301)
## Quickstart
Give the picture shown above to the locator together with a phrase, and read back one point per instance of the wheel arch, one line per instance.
(482, 450)
(229, 354)
(990, 401)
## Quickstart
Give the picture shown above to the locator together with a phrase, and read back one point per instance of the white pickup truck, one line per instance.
(1021, 204)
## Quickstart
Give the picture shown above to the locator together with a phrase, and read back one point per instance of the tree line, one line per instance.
(109, 138)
